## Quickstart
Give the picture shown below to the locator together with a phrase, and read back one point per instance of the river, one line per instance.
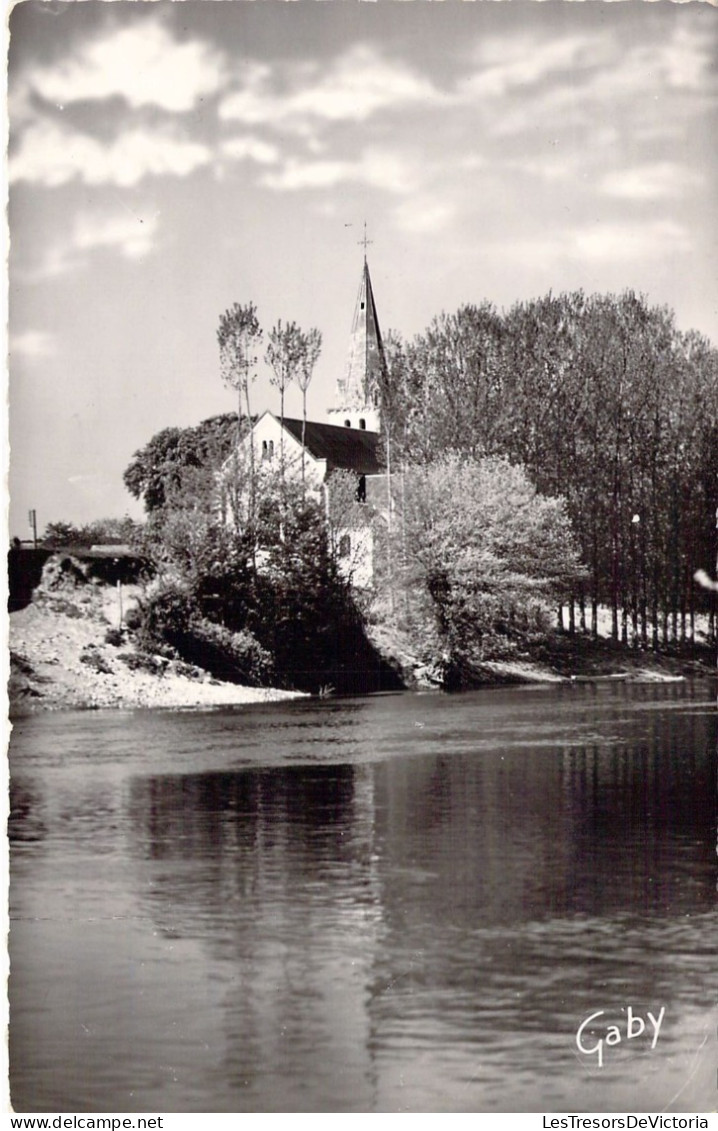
(395, 903)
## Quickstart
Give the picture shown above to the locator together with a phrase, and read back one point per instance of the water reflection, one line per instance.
(353, 925)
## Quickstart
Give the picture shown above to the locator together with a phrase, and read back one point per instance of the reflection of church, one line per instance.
(349, 440)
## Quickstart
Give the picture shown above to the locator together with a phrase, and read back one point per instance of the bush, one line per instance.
(234, 656)
(113, 636)
(144, 662)
(165, 620)
(133, 618)
(96, 661)
(172, 625)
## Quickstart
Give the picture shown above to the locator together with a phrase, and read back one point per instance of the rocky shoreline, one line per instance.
(66, 654)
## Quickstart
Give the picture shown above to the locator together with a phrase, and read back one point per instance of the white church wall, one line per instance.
(355, 555)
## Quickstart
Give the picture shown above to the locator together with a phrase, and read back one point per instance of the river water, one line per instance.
(397, 903)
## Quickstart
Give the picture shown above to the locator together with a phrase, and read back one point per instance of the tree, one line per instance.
(601, 400)
(157, 469)
(284, 355)
(239, 335)
(311, 348)
(101, 532)
(489, 552)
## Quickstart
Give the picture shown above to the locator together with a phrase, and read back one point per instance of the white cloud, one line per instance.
(52, 155)
(377, 168)
(424, 215)
(249, 148)
(297, 174)
(614, 243)
(353, 88)
(607, 81)
(620, 242)
(687, 58)
(506, 64)
(650, 181)
(143, 64)
(132, 235)
(32, 344)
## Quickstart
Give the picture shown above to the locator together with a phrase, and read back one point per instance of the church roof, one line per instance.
(363, 378)
(350, 448)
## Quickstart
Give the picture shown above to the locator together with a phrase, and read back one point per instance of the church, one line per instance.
(348, 440)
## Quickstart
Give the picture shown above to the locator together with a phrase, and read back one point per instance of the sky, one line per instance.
(169, 159)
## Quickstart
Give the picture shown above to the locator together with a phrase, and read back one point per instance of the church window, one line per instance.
(347, 423)
(267, 449)
(362, 306)
(362, 424)
(345, 546)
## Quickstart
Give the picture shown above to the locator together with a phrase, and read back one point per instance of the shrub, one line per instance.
(96, 661)
(234, 656)
(144, 662)
(133, 618)
(165, 620)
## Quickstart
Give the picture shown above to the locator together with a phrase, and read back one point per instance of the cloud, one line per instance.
(619, 242)
(650, 182)
(51, 155)
(507, 64)
(143, 64)
(129, 234)
(249, 148)
(32, 344)
(421, 215)
(579, 83)
(356, 86)
(375, 167)
(132, 235)
(687, 58)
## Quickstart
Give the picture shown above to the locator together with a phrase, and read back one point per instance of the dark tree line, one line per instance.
(603, 401)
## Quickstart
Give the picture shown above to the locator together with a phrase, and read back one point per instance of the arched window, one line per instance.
(362, 424)
(347, 423)
(345, 546)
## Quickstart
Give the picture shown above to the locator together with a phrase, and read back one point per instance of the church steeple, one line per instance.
(358, 393)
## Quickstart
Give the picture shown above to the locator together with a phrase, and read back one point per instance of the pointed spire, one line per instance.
(359, 390)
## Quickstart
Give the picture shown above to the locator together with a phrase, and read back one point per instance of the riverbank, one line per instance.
(562, 658)
(67, 651)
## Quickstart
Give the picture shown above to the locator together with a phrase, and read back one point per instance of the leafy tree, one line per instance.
(602, 400)
(490, 553)
(157, 469)
(101, 532)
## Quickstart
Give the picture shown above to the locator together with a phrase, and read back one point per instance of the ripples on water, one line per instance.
(396, 903)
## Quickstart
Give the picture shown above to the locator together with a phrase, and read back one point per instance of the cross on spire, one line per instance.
(364, 242)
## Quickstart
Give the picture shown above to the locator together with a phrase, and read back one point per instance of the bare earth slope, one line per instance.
(60, 658)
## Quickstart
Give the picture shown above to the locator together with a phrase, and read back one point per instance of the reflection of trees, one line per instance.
(541, 828)
(519, 883)
(25, 821)
(449, 898)
(256, 863)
